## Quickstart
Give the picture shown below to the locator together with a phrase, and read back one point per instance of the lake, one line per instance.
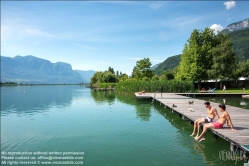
(233, 101)
(74, 124)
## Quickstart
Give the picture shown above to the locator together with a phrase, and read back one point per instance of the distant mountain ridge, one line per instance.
(30, 69)
(240, 41)
(168, 64)
(239, 34)
(155, 66)
(87, 75)
(237, 26)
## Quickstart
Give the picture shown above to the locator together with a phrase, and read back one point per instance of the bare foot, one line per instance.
(197, 138)
(192, 134)
(202, 139)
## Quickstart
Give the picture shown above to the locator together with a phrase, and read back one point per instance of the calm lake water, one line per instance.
(111, 129)
(233, 101)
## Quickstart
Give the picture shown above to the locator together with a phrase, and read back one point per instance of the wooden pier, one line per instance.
(239, 116)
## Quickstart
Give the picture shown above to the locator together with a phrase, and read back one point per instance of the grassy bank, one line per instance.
(236, 90)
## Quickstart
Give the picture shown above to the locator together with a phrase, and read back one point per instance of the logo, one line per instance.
(234, 155)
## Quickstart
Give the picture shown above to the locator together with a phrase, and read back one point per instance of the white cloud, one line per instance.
(37, 32)
(230, 4)
(216, 28)
(156, 5)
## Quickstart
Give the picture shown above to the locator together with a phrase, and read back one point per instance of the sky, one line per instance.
(93, 35)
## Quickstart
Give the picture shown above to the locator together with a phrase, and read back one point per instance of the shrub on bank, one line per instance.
(106, 85)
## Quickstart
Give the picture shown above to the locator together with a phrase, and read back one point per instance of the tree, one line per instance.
(242, 70)
(245, 69)
(145, 79)
(124, 77)
(111, 70)
(197, 56)
(169, 74)
(155, 78)
(97, 78)
(245, 72)
(187, 69)
(117, 73)
(224, 59)
(142, 69)
(109, 77)
(133, 72)
(163, 77)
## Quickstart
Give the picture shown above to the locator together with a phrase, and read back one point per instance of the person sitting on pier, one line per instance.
(209, 89)
(142, 92)
(203, 90)
(224, 117)
(212, 112)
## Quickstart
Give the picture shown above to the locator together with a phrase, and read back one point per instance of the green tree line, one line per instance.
(108, 76)
(208, 56)
(205, 56)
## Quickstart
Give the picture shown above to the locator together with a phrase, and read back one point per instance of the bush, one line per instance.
(106, 85)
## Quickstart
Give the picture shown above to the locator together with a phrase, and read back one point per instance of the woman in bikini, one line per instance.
(223, 118)
(142, 92)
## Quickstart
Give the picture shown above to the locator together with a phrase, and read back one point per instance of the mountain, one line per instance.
(237, 26)
(30, 69)
(155, 66)
(239, 34)
(240, 41)
(169, 63)
(87, 75)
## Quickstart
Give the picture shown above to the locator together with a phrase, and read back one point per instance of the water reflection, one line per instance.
(31, 99)
(102, 97)
(143, 112)
(171, 117)
(126, 99)
(233, 101)
(143, 107)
